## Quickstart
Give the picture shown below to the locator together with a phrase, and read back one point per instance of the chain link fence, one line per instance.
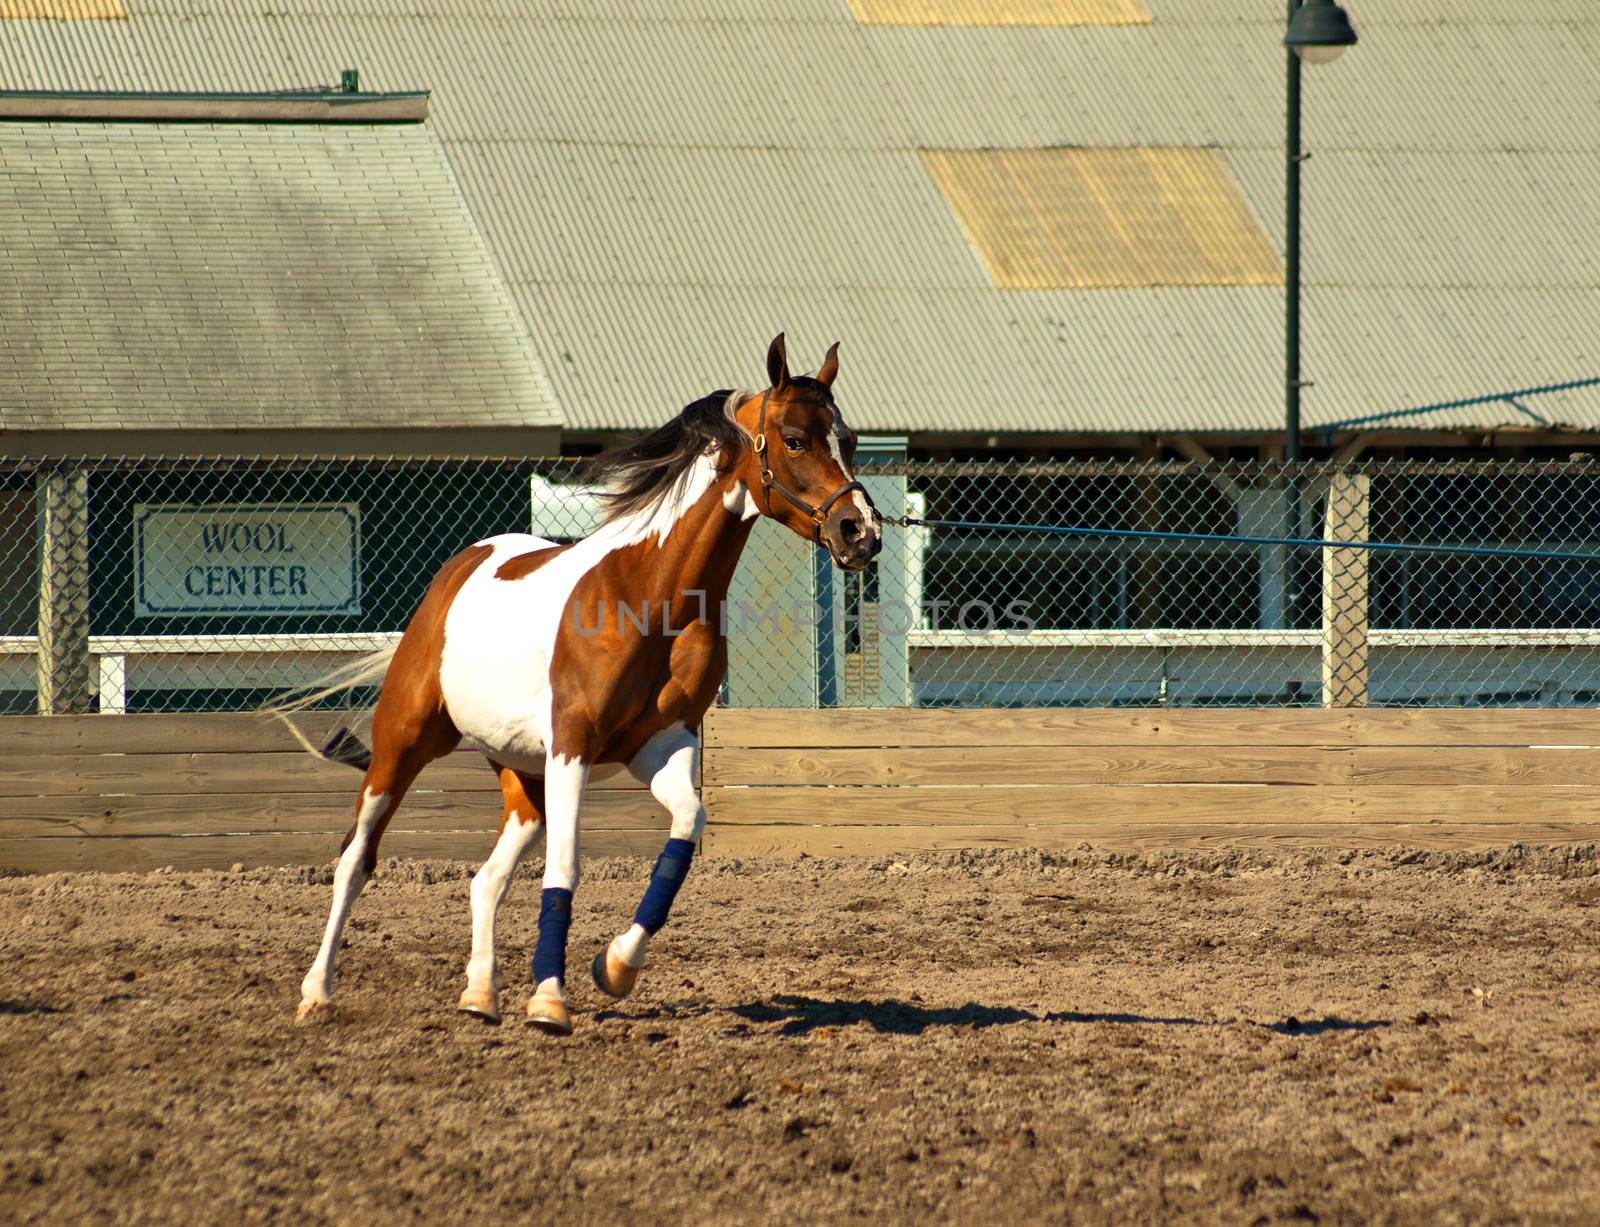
(1196, 623)
(213, 584)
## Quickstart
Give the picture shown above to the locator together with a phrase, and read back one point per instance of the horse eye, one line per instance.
(794, 445)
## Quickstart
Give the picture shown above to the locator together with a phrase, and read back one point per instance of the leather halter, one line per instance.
(769, 483)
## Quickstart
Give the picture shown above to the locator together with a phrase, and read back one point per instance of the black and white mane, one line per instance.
(637, 475)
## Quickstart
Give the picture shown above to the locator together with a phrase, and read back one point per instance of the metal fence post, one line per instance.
(1345, 584)
(66, 681)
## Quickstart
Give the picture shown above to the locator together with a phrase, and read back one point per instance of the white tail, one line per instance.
(359, 672)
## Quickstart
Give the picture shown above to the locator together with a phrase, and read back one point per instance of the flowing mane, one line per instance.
(640, 474)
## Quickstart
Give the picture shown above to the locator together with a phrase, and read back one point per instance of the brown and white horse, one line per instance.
(536, 655)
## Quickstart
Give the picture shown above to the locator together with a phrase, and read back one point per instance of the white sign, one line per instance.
(237, 558)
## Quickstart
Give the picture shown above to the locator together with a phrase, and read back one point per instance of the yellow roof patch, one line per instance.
(63, 10)
(999, 12)
(1070, 219)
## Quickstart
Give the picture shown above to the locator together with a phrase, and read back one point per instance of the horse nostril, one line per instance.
(850, 529)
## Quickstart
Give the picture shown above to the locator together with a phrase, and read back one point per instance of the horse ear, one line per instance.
(830, 366)
(777, 363)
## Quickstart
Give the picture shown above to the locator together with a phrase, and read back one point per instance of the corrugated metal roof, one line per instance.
(225, 276)
(62, 10)
(999, 12)
(666, 183)
(905, 364)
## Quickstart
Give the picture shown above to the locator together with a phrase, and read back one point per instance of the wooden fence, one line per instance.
(133, 792)
(207, 791)
(842, 782)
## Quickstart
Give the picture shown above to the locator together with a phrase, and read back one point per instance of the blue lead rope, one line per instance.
(1131, 534)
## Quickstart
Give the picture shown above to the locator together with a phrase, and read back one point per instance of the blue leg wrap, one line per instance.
(555, 918)
(672, 866)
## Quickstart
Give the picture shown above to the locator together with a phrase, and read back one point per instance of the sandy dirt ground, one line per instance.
(1007, 1037)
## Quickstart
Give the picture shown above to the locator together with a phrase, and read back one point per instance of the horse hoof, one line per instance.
(481, 1003)
(550, 1014)
(314, 1012)
(612, 976)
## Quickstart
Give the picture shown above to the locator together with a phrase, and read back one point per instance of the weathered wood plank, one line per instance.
(900, 727)
(1448, 766)
(273, 772)
(790, 841)
(278, 772)
(990, 805)
(166, 734)
(918, 765)
(1489, 803)
(197, 732)
(206, 813)
(247, 732)
(1147, 803)
(178, 788)
(136, 854)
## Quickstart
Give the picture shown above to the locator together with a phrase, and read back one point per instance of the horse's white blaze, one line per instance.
(836, 449)
(348, 879)
(489, 886)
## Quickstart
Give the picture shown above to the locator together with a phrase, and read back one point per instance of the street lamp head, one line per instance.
(1319, 31)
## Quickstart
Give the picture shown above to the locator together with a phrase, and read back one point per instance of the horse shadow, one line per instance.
(29, 1007)
(1321, 1026)
(802, 1015)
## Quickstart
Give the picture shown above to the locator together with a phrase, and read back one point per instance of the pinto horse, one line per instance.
(522, 648)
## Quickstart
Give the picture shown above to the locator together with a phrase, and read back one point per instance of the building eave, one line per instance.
(326, 107)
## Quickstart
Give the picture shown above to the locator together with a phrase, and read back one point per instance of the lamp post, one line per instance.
(1319, 31)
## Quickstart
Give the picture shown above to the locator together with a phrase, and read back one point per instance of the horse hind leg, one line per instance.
(520, 825)
(669, 764)
(396, 762)
(356, 862)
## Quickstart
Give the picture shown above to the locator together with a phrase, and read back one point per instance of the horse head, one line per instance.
(801, 462)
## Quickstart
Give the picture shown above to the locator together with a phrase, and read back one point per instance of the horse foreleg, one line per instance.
(564, 780)
(521, 824)
(669, 764)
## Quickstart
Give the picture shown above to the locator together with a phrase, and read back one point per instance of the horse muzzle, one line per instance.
(854, 536)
